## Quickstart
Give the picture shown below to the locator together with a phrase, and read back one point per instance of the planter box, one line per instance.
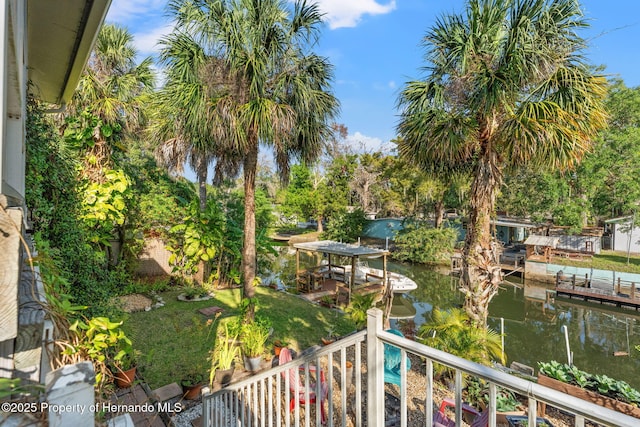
(590, 396)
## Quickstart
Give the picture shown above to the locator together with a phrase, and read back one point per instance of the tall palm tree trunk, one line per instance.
(204, 269)
(250, 165)
(439, 213)
(202, 174)
(481, 273)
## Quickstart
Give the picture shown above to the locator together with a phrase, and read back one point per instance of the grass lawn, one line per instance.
(175, 340)
(606, 260)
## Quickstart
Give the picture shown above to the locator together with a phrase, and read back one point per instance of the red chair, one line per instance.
(295, 377)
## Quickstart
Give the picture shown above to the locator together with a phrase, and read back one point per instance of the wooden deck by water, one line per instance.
(509, 263)
(605, 293)
(338, 291)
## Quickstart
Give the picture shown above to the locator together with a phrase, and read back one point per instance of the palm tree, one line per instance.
(280, 93)
(452, 331)
(506, 86)
(112, 89)
(183, 118)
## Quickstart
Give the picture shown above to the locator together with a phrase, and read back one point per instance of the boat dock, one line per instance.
(510, 263)
(332, 280)
(619, 294)
(339, 292)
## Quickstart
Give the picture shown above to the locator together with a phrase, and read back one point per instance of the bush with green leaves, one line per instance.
(477, 394)
(196, 239)
(100, 341)
(54, 201)
(357, 308)
(420, 243)
(452, 331)
(254, 337)
(345, 226)
(104, 205)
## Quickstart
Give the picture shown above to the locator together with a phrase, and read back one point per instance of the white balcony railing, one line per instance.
(269, 398)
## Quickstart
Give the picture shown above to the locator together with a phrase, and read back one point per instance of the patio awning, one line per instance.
(535, 240)
(342, 249)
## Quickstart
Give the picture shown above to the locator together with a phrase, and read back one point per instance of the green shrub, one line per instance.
(358, 307)
(452, 331)
(54, 202)
(197, 238)
(422, 244)
(346, 226)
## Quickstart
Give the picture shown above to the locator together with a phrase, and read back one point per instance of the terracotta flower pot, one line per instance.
(124, 379)
(192, 392)
(349, 374)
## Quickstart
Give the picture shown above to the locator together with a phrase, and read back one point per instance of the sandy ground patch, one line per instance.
(134, 302)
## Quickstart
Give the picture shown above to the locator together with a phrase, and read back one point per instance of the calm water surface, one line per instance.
(532, 325)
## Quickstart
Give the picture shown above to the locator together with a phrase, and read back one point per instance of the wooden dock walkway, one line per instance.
(510, 264)
(618, 295)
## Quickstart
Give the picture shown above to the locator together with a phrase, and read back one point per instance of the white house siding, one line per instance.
(580, 243)
(13, 101)
(621, 237)
(12, 130)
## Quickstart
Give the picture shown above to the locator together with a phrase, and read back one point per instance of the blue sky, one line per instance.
(375, 48)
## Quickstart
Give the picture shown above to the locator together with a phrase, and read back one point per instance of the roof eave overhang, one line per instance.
(61, 35)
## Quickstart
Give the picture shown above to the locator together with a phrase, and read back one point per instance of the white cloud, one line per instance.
(147, 42)
(347, 13)
(126, 11)
(363, 144)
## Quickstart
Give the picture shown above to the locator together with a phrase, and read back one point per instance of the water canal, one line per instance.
(532, 324)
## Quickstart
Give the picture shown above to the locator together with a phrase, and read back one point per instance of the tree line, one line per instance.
(508, 117)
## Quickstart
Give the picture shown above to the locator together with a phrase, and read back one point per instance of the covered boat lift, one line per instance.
(332, 271)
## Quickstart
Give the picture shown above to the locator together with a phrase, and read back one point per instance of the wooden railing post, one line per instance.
(618, 291)
(573, 282)
(633, 290)
(375, 370)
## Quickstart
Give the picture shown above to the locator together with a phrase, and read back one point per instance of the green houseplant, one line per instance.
(254, 337)
(192, 383)
(124, 367)
(104, 343)
(223, 356)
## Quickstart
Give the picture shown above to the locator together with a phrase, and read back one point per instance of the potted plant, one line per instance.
(192, 382)
(599, 389)
(279, 345)
(194, 293)
(223, 357)
(107, 343)
(330, 336)
(124, 368)
(254, 338)
(327, 301)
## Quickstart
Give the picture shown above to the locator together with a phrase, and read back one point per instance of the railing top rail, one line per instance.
(527, 388)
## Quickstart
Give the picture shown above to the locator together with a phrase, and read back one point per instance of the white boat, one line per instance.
(402, 309)
(365, 274)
